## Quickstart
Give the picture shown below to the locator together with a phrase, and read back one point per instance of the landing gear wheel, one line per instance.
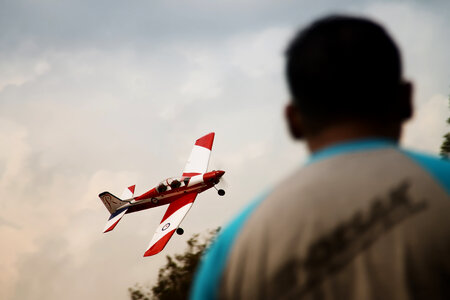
(221, 192)
(154, 200)
(180, 231)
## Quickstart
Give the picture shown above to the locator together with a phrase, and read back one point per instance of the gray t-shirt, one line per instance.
(370, 224)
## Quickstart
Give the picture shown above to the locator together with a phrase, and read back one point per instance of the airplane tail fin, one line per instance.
(111, 202)
(113, 205)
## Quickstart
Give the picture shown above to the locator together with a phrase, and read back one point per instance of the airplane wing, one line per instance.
(199, 158)
(175, 213)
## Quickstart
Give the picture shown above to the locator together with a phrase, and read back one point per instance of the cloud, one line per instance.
(94, 121)
(19, 72)
(203, 79)
(426, 130)
(257, 55)
(14, 155)
(420, 33)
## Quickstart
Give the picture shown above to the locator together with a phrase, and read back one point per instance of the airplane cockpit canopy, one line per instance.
(170, 183)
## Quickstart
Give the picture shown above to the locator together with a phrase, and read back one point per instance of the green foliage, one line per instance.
(445, 147)
(175, 278)
(139, 293)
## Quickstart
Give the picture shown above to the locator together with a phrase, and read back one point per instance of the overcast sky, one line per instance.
(99, 95)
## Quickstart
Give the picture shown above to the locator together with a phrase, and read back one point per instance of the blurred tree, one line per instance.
(139, 292)
(175, 278)
(445, 147)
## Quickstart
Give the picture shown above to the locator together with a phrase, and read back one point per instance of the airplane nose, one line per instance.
(213, 176)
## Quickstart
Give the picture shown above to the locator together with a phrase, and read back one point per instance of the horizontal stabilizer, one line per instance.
(114, 219)
(128, 192)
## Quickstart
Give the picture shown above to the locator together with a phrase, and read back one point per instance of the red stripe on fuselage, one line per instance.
(154, 194)
(151, 193)
(190, 174)
(206, 141)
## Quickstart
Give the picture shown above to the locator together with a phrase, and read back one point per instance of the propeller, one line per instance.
(223, 183)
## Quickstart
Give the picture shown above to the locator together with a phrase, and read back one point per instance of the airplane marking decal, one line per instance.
(166, 226)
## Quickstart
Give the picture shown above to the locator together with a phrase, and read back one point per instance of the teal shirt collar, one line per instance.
(351, 146)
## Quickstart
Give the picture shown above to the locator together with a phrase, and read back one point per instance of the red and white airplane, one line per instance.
(179, 193)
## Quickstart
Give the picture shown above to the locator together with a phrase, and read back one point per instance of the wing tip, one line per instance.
(151, 252)
(206, 141)
(110, 227)
(159, 245)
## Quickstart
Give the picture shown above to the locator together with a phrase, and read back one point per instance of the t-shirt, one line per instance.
(361, 220)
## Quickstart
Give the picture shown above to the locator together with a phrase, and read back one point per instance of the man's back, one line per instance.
(364, 219)
(369, 224)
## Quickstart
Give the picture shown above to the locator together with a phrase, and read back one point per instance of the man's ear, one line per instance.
(294, 121)
(405, 93)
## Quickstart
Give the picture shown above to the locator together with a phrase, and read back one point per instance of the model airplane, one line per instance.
(179, 193)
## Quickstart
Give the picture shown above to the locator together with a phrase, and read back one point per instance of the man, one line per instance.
(364, 219)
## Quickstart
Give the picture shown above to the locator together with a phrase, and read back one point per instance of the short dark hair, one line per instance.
(341, 67)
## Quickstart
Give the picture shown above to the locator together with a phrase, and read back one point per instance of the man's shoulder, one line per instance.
(437, 167)
(381, 151)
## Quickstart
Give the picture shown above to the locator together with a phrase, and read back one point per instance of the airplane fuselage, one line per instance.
(160, 195)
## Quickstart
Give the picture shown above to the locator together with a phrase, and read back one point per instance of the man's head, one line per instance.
(342, 70)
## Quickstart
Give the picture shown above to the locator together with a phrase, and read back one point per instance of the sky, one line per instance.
(99, 95)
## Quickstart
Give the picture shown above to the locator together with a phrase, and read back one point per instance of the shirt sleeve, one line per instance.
(209, 273)
(438, 168)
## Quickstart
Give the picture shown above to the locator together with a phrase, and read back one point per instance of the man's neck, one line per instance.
(353, 130)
